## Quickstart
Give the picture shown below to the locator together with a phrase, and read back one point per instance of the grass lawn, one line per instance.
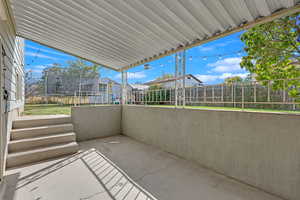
(47, 109)
(234, 109)
(55, 109)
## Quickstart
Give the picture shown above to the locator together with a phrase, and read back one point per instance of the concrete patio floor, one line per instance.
(121, 168)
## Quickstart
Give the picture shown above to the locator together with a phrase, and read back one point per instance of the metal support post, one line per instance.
(180, 78)
(124, 87)
(176, 81)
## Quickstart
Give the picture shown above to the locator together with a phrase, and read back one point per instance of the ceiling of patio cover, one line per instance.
(121, 34)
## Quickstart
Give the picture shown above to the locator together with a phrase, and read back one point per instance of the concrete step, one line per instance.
(48, 140)
(23, 133)
(35, 122)
(40, 154)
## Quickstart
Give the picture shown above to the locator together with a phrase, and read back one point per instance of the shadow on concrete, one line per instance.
(113, 183)
(10, 182)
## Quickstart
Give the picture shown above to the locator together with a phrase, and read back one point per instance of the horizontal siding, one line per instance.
(13, 63)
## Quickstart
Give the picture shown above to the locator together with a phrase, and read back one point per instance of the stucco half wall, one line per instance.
(92, 122)
(261, 149)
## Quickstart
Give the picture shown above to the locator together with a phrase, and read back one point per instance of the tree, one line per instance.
(233, 79)
(68, 79)
(273, 52)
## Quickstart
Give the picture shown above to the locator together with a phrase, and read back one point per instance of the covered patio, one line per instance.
(120, 167)
(142, 152)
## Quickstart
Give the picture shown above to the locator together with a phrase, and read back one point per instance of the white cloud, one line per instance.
(206, 48)
(133, 75)
(39, 55)
(227, 65)
(227, 75)
(207, 78)
(210, 47)
(39, 66)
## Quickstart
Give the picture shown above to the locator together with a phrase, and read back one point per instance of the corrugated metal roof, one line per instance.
(124, 33)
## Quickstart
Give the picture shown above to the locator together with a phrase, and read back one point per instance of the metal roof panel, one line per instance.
(121, 34)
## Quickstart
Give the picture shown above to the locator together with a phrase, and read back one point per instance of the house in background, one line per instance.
(190, 81)
(105, 88)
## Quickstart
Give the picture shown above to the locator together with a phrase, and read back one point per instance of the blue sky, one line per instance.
(211, 62)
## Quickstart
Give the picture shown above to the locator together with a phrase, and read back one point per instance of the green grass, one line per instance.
(46, 109)
(54, 109)
(233, 109)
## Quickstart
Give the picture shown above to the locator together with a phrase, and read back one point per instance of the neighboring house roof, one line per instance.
(107, 80)
(173, 79)
(139, 86)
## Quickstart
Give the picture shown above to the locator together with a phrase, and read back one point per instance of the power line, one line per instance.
(190, 58)
(35, 57)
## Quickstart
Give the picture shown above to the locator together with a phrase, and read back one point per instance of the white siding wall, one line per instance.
(12, 77)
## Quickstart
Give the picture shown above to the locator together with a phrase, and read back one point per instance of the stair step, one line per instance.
(23, 133)
(48, 140)
(40, 154)
(50, 120)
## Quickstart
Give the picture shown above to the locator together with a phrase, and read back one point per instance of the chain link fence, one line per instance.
(283, 94)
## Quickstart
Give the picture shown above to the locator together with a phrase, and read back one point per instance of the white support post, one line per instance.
(183, 62)
(124, 87)
(180, 78)
(176, 81)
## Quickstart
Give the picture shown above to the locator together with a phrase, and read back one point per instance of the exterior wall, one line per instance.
(261, 149)
(92, 122)
(12, 80)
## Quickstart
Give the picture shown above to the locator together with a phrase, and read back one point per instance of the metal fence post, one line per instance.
(254, 95)
(269, 91)
(243, 96)
(283, 91)
(213, 93)
(170, 96)
(183, 74)
(204, 94)
(233, 94)
(222, 92)
(75, 104)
